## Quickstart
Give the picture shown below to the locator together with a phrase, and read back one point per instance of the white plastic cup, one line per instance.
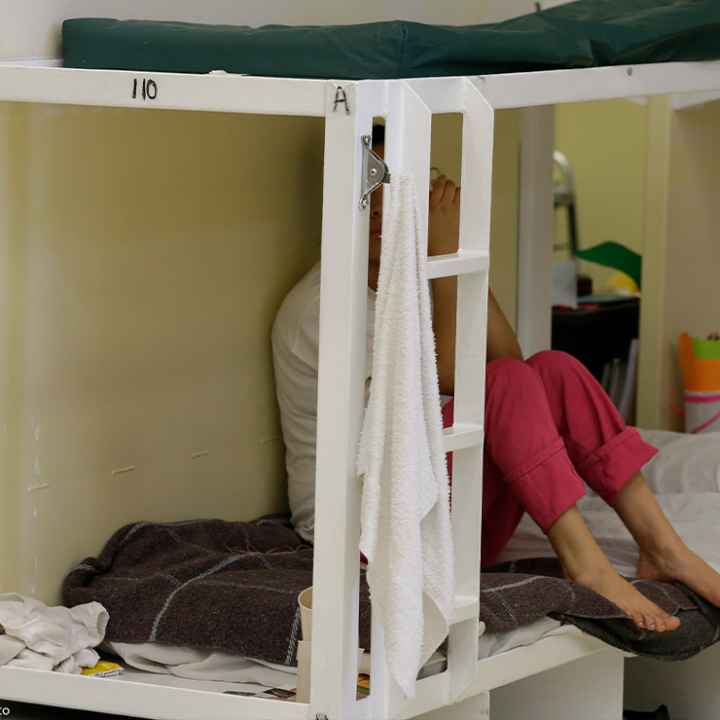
(305, 603)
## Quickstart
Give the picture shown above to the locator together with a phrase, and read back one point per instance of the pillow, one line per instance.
(685, 463)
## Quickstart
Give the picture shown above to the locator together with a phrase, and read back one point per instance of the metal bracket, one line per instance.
(321, 716)
(374, 171)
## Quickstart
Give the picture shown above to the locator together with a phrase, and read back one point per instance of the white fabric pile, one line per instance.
(38, 637)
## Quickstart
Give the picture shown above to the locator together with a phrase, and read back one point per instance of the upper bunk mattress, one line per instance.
(587, 33)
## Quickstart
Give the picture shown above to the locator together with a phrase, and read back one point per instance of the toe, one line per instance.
(667, 623)
(673, 623)
(638, 619)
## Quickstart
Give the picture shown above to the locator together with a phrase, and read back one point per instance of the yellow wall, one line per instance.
(682, 255)
(692, 272)
(149, 253)
(11, 174)
(606, 143)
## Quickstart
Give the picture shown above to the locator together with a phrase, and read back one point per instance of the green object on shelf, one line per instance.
(706, 349)
(615, 256)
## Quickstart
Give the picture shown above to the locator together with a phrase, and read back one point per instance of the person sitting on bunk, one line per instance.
(550, 428)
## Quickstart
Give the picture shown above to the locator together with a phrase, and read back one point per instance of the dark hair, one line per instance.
(378, 135)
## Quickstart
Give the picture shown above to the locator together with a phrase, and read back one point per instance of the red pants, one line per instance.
(549, 426)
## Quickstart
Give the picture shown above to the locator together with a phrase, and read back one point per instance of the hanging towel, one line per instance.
(406, 535)
(35, 636)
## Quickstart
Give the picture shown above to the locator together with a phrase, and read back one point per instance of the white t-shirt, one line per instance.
(295, 343)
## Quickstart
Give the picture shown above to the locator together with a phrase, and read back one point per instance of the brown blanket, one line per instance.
(233, 587)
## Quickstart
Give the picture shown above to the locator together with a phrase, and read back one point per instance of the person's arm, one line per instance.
(443, 236)
(501, 339)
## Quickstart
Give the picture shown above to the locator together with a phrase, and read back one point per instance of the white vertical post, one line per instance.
(342, 371)
(408, 139)
(470, 362)
(536, 229)
(407, 151)
(654, 342)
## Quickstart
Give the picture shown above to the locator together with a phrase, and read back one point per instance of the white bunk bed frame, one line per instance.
(590, 673)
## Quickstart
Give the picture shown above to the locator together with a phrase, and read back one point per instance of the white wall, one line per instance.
(30, 28)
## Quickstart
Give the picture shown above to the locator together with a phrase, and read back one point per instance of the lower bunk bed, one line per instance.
(230, 592)
(208, 610)
(508, 681)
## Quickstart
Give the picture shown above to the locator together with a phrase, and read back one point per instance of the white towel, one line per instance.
(406, 534)
(35, 636)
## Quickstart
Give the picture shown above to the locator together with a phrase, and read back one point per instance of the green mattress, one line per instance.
(582, 34)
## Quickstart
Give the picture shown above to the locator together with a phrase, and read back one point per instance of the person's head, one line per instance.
(376, 199)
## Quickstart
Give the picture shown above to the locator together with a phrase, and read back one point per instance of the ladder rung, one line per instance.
(466, 608)
(462, 263)
(462, 435)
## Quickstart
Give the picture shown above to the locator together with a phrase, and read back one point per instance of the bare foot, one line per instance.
(585, 563)
(644, 613)
(681, 563)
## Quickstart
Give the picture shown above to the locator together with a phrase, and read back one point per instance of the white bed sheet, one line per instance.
(221, 672)
(685, 463)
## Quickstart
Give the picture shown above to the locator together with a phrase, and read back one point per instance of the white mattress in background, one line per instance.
(694, 516)
(685, 463)
(685, 477)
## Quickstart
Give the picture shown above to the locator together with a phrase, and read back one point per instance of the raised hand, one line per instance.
(444, 223)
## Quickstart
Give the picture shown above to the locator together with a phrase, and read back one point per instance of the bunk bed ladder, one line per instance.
(467, 435)
(408, 140)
